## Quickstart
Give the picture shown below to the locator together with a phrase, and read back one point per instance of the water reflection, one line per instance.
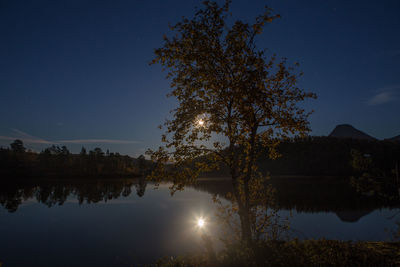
(139, 224)
(314, 195)
(300, 194)
(52, 193)
(98, 223)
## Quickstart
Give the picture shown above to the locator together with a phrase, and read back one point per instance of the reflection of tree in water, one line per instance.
(313, 195)
(51, 195)
(141, 186)
(302, 195)
(56, 193)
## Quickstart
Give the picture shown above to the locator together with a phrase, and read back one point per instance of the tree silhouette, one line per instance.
(17, 146)
(83, 152)
(141, 164)
(229, 89)
(98, 152)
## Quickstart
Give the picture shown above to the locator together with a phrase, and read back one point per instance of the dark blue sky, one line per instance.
(77, 73)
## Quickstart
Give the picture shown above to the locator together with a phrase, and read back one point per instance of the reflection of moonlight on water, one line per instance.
(200, 223)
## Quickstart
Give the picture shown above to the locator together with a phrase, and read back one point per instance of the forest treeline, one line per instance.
(310, 156)
(59, 161)
(331, 156)
(327, 156)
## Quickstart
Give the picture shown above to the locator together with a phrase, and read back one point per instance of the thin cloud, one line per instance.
(7, 138)
(29, 139)
(21, 133)
(381, 98)
(384, 95)
(98, 141)
(26, 138)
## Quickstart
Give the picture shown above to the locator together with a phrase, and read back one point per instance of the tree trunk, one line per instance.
(243, 203)
(244, 215)
(245, 210)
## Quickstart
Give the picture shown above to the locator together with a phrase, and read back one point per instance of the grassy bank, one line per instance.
(298, 253)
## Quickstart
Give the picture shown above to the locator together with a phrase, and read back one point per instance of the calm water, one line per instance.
(128, 222)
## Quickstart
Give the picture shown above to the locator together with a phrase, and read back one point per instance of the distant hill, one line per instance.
(352, 215)
(348, 131)
(394, 139)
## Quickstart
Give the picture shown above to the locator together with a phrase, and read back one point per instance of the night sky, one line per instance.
(76, 73)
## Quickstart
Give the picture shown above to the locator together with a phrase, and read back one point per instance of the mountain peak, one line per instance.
(348, 131)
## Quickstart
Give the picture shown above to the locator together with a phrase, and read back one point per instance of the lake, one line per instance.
(124, 222)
